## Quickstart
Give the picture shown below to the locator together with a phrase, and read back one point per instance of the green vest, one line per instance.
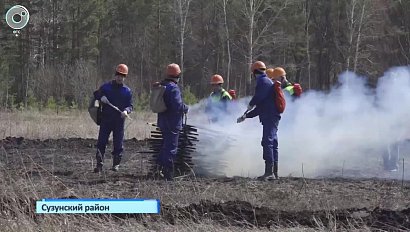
(289, 88)
(217, 97)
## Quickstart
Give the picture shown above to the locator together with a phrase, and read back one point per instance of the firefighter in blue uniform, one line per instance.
(263, 105)
(218, 100)
(170, 121)
(117, 94)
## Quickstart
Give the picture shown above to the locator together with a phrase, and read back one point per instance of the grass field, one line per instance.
(55, 157)
(74, 124)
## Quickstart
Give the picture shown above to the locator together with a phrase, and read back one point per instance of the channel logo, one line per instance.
(17, 17)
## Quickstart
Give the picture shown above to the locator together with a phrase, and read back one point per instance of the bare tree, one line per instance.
(356, 21)
(182, 12)
(254, 10)
(351, 26)
(228, 46)
(307, 21)
(359, 36)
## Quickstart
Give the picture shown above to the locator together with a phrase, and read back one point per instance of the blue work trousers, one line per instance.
(117, 129)
(270, 142)
(169, 148)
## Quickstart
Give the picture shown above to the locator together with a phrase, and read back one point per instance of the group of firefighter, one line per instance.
(269, 81)
(118, 98)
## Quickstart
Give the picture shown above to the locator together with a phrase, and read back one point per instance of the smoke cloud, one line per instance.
(340, 132)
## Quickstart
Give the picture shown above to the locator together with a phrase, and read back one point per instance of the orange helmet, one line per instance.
(270, 72)
(278, 72)
(173, 70)
(217, 79)
(258, 65)
(122, 68)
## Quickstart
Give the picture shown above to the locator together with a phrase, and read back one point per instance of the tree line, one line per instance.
(70, 47)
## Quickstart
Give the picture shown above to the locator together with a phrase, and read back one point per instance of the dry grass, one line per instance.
(18, 190)
(16, 214)
(31, 178)
(72, 124)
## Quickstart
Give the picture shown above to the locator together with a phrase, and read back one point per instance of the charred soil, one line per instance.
(62, 168)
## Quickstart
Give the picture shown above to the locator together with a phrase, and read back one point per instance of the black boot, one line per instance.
(116, 163)
(268, 171)
(275, 170)
(168, 173)
(100, 161)
(98, 169)
(156, 172)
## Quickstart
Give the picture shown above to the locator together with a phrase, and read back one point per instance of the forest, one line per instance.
(70, 47)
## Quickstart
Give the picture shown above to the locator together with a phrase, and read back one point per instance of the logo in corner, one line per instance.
(17, 17)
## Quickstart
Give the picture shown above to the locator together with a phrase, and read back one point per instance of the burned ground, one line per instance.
(62, 168)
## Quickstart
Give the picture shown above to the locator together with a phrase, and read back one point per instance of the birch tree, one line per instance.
(356, 19)
(359, 34)
(182, 13)
(228, 46)
(307, 36)
(254, 11)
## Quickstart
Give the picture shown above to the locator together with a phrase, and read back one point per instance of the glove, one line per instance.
(297, 89)
(124, 114)
(104, 99)
(249, 108)
(241, 119)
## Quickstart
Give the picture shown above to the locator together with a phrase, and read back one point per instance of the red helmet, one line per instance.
(173, 70)
(217, 79)
(122, 68)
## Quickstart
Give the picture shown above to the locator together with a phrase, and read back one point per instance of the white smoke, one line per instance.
(346, 129)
